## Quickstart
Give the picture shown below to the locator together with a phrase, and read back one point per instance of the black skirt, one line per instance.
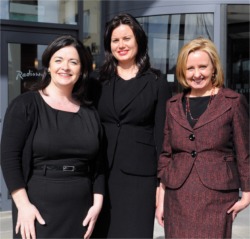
(129, 207)
(63, 200)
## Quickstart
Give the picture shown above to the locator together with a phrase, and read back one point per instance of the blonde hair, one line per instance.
(199, 44)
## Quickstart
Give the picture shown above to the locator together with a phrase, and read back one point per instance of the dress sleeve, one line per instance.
(16, 127)
(241, 141)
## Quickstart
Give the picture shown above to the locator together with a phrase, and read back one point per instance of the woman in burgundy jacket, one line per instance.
(205, 158)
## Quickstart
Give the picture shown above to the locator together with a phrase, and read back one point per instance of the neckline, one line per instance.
(119, 78)
(58, 110)
(200, 97)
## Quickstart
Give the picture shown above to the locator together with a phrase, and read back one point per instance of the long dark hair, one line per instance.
(86, 66)
(142, 59)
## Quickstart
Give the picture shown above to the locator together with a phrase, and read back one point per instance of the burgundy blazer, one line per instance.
(217, 146)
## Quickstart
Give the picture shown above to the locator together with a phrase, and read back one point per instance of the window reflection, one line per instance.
(56, 11)
(92, 29)
(168, 33)
(238, 65)
(23, 69)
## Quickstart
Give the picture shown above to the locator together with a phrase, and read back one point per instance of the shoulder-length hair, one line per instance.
(86, 65)
(142, 59)
(199, 44)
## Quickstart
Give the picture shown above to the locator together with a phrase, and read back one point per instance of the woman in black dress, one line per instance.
(132, 111)
(50, 151)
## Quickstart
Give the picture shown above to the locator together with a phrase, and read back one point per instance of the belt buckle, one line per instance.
(68, 168)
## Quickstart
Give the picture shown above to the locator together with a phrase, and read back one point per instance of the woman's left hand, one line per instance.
(92, 215)
(240, 205)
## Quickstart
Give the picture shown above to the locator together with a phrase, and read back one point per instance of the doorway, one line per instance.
(21, 55)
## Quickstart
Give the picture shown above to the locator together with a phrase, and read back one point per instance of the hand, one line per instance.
(90, 220)
(92, 215)
(27, 214)
(159, 212)
(26, 221)
(240, 205)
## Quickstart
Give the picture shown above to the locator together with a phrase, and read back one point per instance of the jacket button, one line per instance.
(192, 137)
(193, 154)
(118, 125)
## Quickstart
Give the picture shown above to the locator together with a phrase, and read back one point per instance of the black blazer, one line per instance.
(135, 134)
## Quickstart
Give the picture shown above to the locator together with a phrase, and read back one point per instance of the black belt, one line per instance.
(64, 168)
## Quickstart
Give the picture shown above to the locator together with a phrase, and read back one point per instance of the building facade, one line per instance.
(28, 26)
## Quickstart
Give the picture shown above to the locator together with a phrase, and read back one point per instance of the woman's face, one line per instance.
(199, 72)
(65, 66)
(123, 44)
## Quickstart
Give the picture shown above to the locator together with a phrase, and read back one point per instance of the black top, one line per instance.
(20, 125)
(124, 89)
(198, 105)
(64, 137)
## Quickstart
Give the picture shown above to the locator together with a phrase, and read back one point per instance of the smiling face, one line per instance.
(123, 44)
(65, 67)
(199, 72)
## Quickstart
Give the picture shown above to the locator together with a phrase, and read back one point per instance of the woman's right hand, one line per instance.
(27, 214)
(159, 212)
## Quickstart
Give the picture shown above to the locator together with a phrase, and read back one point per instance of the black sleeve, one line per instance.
(16, 127)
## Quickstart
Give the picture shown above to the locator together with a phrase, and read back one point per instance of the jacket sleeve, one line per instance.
(16, 127)
(241, 141)
(100, 165)
(166, 153)
(164, 93)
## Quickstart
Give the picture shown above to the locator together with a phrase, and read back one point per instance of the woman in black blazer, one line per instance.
(132, 111)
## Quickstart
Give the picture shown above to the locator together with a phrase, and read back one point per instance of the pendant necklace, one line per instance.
(188, 111)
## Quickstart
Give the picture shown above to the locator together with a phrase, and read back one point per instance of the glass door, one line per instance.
(21, 66)
(238, 55)
(23, 69)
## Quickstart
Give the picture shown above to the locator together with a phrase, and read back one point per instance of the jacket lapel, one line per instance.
(177, 112)
(106, 102)
(217, 107)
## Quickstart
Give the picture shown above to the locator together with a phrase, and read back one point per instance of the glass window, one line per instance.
(23, 69)
(56, 11)
(92, 29)
(238, 61)
(168, 33)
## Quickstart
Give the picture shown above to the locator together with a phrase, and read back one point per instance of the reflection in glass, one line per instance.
(56, 11)
(4, 9)
(238, 65)
(92, 29)
(24, 67)
(168, 33)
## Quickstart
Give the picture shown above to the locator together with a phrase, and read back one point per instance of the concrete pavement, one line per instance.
(241, 226)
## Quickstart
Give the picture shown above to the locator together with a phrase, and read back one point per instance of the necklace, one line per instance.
(188, 111)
